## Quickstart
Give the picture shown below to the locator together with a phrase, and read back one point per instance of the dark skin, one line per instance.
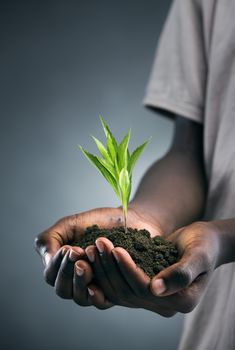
(169, 201)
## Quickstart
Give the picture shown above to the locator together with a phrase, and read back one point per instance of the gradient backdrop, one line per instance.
(63, 63)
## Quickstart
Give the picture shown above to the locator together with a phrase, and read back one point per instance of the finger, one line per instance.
(83, 276)
(97, 298)
(134, 276)
(50, 241)
(51, 270)
(64, 279)
(107, 275)
(185, 300)
(100, 276)
(179, 275)
(47, 247)
(63, 232)
(85, 293)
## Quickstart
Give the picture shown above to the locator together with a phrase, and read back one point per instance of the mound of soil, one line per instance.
(150, 254)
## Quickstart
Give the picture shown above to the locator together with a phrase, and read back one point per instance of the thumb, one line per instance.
(47, 245)
(179, 275)
(51, 240)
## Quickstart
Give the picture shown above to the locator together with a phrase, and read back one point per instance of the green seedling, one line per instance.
(116, 164)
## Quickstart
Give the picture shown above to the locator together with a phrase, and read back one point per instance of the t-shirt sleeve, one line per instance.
(178, 79)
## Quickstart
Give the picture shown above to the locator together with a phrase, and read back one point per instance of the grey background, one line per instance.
(63, 63)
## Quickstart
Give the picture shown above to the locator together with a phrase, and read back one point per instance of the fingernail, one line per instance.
(158, 286)
(99, 246)
(79, 270)
(115, 255)
(73, 256)
(64, 251)
(91, 292)
(90, 255)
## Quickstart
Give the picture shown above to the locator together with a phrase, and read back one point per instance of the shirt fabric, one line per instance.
(194, 76)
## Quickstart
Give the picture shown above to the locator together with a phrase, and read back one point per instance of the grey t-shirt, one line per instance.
(194, 76)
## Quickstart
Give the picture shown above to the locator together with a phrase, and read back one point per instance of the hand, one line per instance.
(59, 257)
(177, 288)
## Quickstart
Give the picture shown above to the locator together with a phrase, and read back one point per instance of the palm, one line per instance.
(72, 227)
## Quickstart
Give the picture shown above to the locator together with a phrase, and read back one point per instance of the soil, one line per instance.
(150, 254)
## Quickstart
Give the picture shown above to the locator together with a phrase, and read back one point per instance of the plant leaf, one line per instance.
(112, 145)
(129, 190)
(109, 167)
(96, 162)
(135, 156)
(123, 151)
(128, 156)
(111, 148)
(117, 169)
(124, 184)
(107, 132)
(102, 149)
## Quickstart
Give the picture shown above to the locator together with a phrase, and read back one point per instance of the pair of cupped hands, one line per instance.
(104, 276)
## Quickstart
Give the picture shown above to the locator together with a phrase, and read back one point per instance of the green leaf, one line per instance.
(107, 175)
(135, 156)
(111, 148)
(128, 156)
(107, 132)
(102, 149)
(123, 151)
(109, 167)
(125, 187)
(117, 169)
(129, 190)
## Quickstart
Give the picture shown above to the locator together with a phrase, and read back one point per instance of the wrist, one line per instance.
(226, 234)
(152, 215)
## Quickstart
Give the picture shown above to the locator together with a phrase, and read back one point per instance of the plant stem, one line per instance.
(124, 216)
(124, 210)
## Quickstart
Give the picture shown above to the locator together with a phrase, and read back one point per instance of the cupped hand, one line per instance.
(177, 288)
(67, 267)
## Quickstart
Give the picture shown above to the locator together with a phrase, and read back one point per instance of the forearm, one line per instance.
(173, 190)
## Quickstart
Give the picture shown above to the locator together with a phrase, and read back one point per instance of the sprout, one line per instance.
(116, 164)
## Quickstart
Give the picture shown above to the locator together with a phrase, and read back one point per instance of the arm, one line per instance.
(174, 188)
